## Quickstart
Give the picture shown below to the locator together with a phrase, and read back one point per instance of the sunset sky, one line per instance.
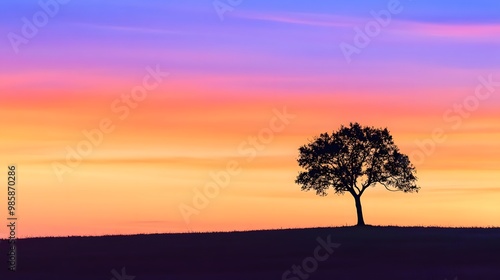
(246, 87)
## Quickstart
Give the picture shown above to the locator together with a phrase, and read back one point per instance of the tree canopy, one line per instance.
(352, 159)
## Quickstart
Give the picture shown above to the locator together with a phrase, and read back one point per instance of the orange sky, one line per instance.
(156, 158)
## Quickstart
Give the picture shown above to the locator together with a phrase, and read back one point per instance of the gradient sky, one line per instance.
(226, 79)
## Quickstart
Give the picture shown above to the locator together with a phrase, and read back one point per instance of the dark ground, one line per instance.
(364, 253)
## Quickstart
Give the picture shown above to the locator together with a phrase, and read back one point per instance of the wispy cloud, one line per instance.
(122, 28)
(409, 27)
(450, 30)
(309, 19)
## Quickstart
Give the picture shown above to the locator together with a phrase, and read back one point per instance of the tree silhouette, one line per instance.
(353, 158)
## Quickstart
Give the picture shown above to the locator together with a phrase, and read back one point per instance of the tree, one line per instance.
(352, 159)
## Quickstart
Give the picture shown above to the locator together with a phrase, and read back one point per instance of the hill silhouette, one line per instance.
(361, 253)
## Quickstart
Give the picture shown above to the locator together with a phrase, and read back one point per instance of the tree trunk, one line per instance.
(359, 210)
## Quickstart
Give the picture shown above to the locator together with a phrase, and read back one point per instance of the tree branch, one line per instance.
(396, 190)
(359, 191)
